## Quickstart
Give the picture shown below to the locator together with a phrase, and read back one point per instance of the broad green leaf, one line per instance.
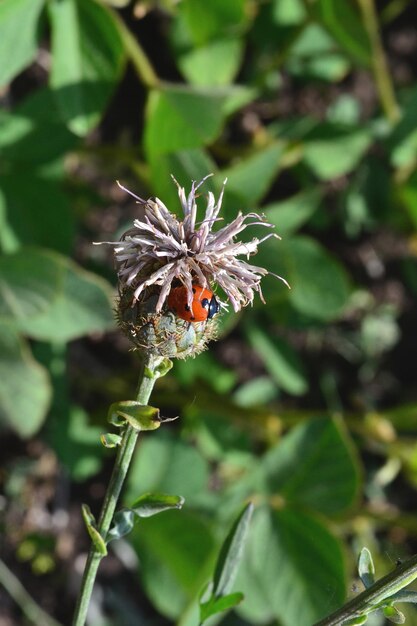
(319, 285)
(176, 555)
(206, 21)
(29, 283)
(289, 12)
(82, 305)
(313, 55)
(313, 466)
(25, 390)
(76, 441)
(344, 23)
(290, 214)
(185, 166)
(218, 605)
(366, 568)
(248, 180)
(18, 35)
(296, 568)
(37, 212)
(258, 391)
(180, 117)
(216, 63)
(331, 151)
(87, 59)
(162, 464)
(280, 360)
(231, 554)
(23, 133)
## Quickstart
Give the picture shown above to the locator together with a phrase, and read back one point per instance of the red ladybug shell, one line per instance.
(204, 305)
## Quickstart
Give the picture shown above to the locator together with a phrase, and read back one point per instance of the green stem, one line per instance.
(379, 61)
(136, 53)
(147, 380)
(369, 599)
(26, 603)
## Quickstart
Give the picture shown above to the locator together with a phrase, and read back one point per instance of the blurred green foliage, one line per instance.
(307, 405)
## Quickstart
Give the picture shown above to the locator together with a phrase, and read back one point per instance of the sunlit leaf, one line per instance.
(18, 35)
(87, 57)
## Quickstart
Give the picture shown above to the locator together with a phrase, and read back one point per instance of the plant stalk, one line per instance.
(368, 600)
(380, 66)
(146, 383)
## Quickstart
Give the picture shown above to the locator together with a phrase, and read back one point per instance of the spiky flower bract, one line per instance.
(161, 252)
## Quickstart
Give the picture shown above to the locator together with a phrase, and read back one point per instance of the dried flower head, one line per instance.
(161, 251)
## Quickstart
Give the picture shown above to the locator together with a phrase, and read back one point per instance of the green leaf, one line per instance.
(87, 59)
(393, 615)
(231, 554)
(319, 285)
(181, 118)
(140, 416)
(314, 55)
(184, 165)
(280, 360)
(292, 213)
(29, 282)
(146, 506)
(18, 35)
(212, 20)
(83, 304)
(23, 132)
(176, 555)
(25, 390)
(366, 568)
(162, 464)
(344, 23)
(75, 441)
(292, 566)
(249, 179)
(332, 151)
(153, 503)
(313, 466)
(218, 605)
(216, 63)
(37, 212)
(91, 526)
(110, 440)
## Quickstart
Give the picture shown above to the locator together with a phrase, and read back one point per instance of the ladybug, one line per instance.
(204, 305)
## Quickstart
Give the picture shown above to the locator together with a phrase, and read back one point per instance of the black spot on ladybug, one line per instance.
(204, 303)
(193, 290)
(187, 308)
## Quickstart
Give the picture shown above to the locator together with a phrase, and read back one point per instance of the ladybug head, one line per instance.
(213, 308)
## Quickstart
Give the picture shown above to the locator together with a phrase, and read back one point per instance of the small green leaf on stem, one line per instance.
(356, 621)
(139, 416)
(394, 615)
(153, 503)
(147, 505)
(366, 568)
(92, 530)
(217, 605)
(160, 370)
(110, 440)
(231, 554)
